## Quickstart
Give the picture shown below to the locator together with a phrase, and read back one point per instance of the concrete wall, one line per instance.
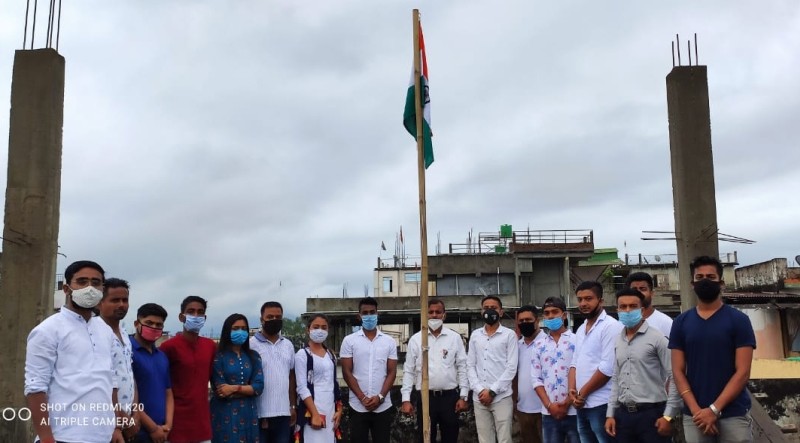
(440, 265)
(30, 233)
(692, 161)
(766, 276)
(767, 327)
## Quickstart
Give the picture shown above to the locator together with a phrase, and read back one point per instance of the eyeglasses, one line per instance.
(85, 281)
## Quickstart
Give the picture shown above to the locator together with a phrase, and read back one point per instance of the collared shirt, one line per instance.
(152, 378)
(190, 372)
(551, 362)
(643, 365)
(492, 361)
(527, 400)
(72, 361)
(123, 370)
(660, 321)
(277, 360)
(447, 363)
(595, 351)
(370, 360)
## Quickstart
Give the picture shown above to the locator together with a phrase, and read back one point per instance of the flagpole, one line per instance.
(423, 235)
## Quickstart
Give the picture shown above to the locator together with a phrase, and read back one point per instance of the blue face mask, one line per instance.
(631, 318)
(194, 323)
(239, 336)
(369, 322)
(553, 324)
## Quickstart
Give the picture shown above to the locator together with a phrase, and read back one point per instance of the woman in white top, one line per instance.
(316, 386)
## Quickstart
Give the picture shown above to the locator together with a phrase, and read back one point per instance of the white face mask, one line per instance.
(318, 335)
(87, 297)
(434, 324)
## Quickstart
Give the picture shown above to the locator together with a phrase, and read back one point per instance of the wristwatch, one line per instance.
(667, 418)
(714, 409)
(465, 398)
(381, 397)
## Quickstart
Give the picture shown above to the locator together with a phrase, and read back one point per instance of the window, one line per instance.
(413, 277)
(387, 284)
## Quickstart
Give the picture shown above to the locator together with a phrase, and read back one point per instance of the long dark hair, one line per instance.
(225, 343)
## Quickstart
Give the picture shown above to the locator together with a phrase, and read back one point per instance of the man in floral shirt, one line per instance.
(552, 356)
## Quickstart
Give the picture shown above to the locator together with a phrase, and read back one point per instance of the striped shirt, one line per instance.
(277, 359)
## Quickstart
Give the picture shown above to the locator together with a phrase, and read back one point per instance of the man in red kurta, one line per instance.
(190, 359)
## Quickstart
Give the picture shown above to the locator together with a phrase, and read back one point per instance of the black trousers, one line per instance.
(443, 414)
(639, 427)
(379, 424)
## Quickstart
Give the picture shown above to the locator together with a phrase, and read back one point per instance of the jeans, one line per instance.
(559, 431)
(277, 431)
(640, 426)
(592, 425)
(731, 430)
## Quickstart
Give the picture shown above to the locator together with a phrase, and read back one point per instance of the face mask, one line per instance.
(707, 290)
(149, 333)
(273, 327)
(631, 318)
(527, 329)
(490, 316)
(553, 324)
(434, 324)
(87, 297)
(318, 335)
(194, 323)
(239, 336)
(369, 322)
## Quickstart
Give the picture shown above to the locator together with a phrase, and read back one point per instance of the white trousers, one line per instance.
(494, 421)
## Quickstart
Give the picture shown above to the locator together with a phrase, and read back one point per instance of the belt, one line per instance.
(442, 392)
(637, 407)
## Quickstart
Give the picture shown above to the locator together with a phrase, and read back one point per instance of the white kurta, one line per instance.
(323, 394)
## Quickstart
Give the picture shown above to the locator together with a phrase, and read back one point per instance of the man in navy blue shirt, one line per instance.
(712, 349)
(151, 370)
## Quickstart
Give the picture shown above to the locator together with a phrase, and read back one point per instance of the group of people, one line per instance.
(613, 380)
(87, 381)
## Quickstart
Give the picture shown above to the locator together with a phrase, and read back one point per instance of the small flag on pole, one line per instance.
(383, 246)
(410, 114)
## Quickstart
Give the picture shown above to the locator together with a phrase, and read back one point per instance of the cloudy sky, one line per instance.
(232, 146)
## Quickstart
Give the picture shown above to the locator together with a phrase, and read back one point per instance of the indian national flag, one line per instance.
(410, 114)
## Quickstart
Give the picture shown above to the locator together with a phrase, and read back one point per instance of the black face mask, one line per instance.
(490, 316)
(707, 290)
(527, 329)
(272, 327)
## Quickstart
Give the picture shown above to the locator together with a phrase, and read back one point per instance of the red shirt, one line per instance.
(190, 372)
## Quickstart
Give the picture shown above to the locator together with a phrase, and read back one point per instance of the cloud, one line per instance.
(254, 151)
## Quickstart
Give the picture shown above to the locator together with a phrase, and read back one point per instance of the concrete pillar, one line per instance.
(33, 194)
(693, 193)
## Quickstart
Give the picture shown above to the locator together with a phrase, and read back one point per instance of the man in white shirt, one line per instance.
(643, 282)
(447, 375)
(529, 407)
(69, 366)
(113, 308)
(369, 367)
(593, 363)
(276, 404)
(491, 367)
